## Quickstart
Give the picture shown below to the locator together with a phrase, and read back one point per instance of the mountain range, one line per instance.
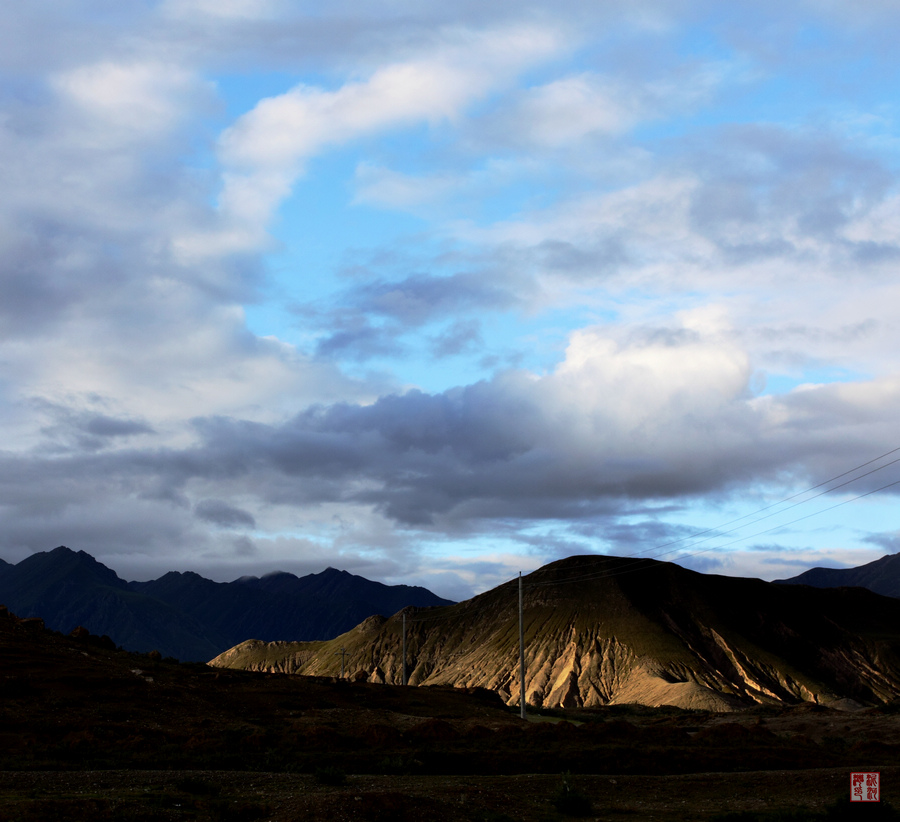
(186, 616)
(607, 630)
(881, 576)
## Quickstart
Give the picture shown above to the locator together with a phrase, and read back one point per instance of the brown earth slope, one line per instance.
(606, 631)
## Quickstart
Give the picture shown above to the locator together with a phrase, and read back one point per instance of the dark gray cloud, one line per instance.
(101, 425)
(220, 513)
(654, 538)
(494, 450)
(85, 430)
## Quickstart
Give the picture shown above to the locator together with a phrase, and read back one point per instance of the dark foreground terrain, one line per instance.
(772, 796)
(91, 733)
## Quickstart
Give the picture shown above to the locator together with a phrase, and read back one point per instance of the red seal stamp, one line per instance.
(865, 787)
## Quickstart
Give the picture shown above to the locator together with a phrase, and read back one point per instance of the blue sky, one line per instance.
(436, 294)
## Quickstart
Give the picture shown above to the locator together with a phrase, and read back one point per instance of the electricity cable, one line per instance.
(716, 531)
(639, 563)
(788, 499)
(626, 569)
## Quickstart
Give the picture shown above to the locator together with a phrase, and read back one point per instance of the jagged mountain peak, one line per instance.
(330, 571)
(64, 551)
(64, 563)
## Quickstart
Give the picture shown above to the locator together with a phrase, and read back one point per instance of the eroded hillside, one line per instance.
(603, 630)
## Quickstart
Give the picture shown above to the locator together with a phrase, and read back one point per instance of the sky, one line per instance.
(438, 293)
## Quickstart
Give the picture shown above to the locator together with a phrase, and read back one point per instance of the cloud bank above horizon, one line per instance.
(439, 294)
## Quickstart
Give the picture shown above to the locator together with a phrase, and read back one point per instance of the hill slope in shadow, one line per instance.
(881, 576)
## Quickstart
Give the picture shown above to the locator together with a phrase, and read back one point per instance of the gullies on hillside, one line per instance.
(605, 630)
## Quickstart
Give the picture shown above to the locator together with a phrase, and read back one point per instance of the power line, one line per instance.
(788, 499)
(800, 519)
(627, 569)
(638, 563)
(716, 531)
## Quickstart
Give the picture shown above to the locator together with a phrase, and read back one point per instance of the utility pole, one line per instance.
(404, 680)
(342, 653)
(521, 651)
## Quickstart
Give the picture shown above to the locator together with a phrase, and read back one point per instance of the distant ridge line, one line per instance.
(189, 617)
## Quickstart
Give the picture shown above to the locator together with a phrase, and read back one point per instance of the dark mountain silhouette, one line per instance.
(282, 606)
(186, 616)
(605, 630)
(68, 588)
(881, 576)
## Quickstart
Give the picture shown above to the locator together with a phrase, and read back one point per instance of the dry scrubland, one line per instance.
(91, 733)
